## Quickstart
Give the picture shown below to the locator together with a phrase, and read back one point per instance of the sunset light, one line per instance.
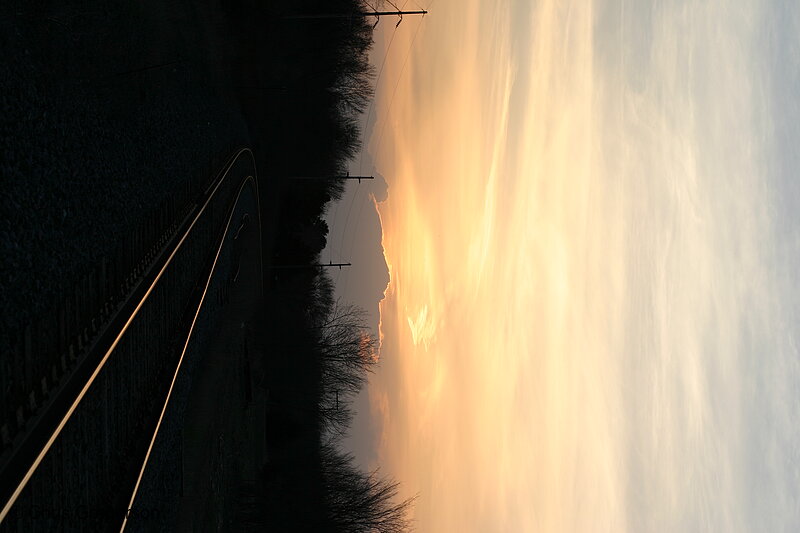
(586, 323)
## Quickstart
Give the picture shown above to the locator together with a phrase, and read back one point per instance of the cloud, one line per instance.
(591, 318)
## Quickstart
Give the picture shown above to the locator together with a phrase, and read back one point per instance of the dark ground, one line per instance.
(107, 110)
(104, 114)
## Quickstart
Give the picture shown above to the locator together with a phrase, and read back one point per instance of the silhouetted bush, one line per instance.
(346, 351)
(356, 502)
(303, 86)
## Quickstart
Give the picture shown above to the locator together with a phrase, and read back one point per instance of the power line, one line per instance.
(372, 102)
(394, 92)
(383, 128)
(303, 266)
(366, 124)
(355, 14)
(380, 138)
(363, 147)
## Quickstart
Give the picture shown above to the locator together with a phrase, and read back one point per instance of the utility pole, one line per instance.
(358, 14)
(347, 177)
(313, 265)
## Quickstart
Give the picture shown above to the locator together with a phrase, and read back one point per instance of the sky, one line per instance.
(591, 232)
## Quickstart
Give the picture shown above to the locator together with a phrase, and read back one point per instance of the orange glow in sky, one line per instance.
(579, 230)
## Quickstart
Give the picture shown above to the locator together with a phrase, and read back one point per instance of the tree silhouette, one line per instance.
(357, 502)
(304, 86)
(346, 350)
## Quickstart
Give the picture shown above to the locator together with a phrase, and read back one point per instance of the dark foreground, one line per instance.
(107, 111)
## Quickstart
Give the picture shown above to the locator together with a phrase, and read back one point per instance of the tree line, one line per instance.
(303, 85)
(320, 353)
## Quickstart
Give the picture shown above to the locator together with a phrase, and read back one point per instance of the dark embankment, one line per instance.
(109, 109)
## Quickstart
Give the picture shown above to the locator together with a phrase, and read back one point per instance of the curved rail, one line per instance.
(210, 275)
(28, 453)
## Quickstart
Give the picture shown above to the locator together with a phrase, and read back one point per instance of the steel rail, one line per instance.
(209, 277)
(27, 454)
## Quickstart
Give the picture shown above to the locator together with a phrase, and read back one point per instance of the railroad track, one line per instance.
(77, 462)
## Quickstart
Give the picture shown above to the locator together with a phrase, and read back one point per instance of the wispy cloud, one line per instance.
(590, 320)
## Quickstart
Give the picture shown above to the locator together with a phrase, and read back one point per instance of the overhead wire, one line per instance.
(377, 79)
(363, 147)
(361, 157)
(399, 78)
(380, 138)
